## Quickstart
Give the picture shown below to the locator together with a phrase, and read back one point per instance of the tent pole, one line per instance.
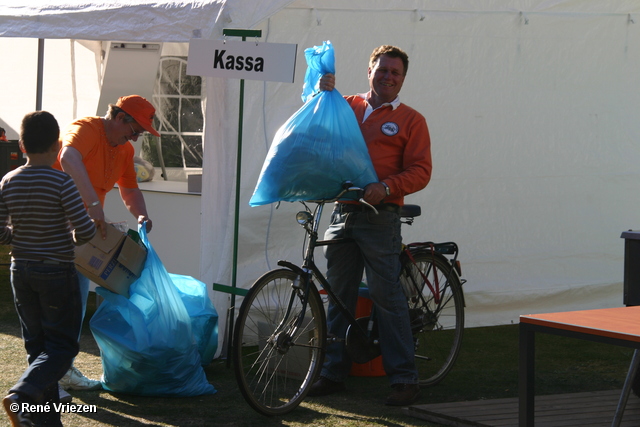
(40, 74)
(234, 268)
(244, 34)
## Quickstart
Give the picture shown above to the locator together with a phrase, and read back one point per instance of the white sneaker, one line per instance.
(75, 380)
(64, 396)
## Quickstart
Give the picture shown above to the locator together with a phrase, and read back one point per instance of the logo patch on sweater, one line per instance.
(390, 128)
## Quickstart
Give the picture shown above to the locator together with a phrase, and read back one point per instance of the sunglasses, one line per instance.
(135, 134)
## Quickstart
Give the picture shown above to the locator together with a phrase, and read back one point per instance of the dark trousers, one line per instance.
(47, 299)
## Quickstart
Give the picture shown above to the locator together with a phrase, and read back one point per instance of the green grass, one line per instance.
(486, 369)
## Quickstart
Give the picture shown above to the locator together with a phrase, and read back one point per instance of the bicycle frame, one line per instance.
(309, 270)
(281, 337)
(311, 222)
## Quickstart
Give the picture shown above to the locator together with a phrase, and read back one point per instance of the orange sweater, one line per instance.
(105, 165)
(399, 146)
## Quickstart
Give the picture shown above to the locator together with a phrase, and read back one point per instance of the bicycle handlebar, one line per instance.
(348, 187)
(369, 205)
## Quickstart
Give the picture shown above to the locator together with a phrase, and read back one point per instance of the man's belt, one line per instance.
(358, 207)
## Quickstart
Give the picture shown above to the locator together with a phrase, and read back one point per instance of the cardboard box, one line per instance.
(114, 263)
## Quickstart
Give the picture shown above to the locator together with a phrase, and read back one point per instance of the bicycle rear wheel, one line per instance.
(437, 323)
(278, 342)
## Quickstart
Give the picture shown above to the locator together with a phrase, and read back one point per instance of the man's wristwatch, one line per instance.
(386, 187)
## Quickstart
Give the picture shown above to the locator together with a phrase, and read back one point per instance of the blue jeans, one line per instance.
(47, 299)
(375, 250)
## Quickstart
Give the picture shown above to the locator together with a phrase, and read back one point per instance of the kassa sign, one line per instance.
(249, 60)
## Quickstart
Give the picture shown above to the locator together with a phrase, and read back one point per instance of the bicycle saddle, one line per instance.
(410, 211)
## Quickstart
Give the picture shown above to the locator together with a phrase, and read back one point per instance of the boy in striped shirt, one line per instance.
(43, 217)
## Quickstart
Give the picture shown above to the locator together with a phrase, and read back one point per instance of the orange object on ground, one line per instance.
(372, 368)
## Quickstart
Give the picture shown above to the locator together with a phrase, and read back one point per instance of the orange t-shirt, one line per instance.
(106, 165)
(399, 145)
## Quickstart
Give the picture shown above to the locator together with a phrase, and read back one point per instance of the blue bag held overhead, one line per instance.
(155, 342)
(319, 147)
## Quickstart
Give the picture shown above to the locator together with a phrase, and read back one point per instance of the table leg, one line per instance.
(626, 389)
(526, 376)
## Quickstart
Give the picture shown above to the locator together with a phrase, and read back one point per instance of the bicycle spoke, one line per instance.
(438, 323)
(276, 356)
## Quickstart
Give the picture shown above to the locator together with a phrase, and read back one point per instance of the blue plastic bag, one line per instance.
(147, 342)
(204, 318)
(318, 148)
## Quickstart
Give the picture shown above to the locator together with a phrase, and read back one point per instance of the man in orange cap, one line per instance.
(96, 152)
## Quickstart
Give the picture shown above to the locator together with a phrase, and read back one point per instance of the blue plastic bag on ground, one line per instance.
(318, 148)
(147, 342)
(204, 318)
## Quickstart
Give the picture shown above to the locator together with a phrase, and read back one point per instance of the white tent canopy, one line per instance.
(531, 106)
(141, 20)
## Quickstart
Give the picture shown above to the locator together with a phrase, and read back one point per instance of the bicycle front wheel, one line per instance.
(436, 307)
(279, 340)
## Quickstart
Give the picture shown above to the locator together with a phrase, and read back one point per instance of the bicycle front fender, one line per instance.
(291, 266)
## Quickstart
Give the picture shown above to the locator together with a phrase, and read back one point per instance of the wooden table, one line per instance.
(618, 326)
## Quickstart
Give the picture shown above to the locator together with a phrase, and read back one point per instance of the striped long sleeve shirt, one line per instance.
(39, 208)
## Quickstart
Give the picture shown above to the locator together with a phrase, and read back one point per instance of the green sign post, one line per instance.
(234, 272)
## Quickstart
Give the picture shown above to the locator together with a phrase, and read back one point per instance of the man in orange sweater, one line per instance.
(97, 153)
(398, 141)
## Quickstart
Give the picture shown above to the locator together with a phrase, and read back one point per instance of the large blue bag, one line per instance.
(318, 148)
(204, 318)
(147, 341)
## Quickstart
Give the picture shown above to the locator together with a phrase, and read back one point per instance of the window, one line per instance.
(179, 120)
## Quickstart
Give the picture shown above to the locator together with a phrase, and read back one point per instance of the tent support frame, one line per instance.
(244, 34)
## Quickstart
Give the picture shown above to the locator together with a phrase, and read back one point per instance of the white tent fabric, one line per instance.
(130, 20)
(531, 106)
(531, 109)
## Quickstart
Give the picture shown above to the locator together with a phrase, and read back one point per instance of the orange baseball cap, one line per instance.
(140, 109)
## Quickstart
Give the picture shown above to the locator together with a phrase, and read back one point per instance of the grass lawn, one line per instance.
(486, 369)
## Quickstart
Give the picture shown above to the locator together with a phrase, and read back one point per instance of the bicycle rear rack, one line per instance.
(444, 248)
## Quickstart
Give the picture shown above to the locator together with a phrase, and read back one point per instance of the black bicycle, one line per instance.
(280, 333)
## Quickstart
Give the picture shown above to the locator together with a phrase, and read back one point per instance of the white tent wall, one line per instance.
(531, 106)
(532, 120)
(72, 79)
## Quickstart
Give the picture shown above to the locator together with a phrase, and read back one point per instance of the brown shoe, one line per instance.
(403, 394)
(324, 387)
(13, 407)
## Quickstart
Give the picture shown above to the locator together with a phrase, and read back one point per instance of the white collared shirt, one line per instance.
(394, 104)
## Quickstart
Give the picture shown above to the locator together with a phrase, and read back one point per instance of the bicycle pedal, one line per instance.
(334, 338)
